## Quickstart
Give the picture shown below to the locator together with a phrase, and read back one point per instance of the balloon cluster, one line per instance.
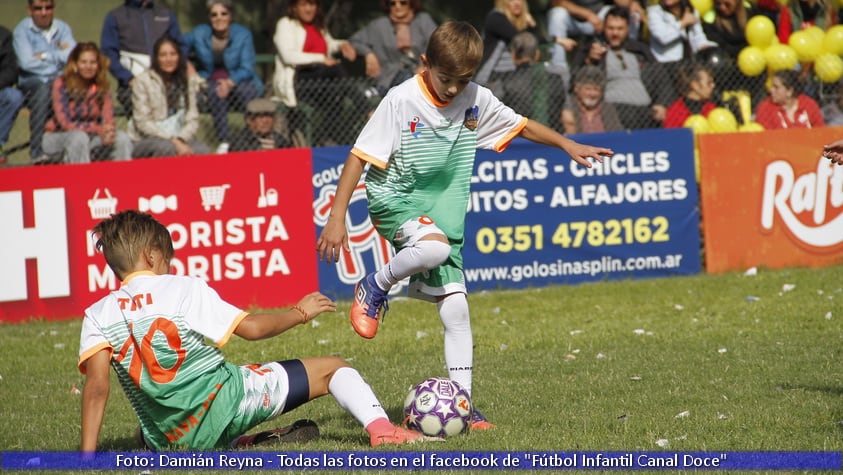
(811, 45)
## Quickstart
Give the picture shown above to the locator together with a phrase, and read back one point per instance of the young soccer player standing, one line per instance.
(421, 143)
(834, 152)
(153, 332)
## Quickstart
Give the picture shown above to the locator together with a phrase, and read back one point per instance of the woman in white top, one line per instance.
(675, 31)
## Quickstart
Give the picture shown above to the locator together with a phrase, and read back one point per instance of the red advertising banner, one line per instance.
(239, 221)
(769, 199)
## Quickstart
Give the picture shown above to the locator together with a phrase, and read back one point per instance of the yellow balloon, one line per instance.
(703, 6)
(721, 119)
(806, 45)
(698, 124)
(760, 31)
(829, 67)
(816, 32)
(751, 127)
(833, 42)
(751, 61)
(780, 57)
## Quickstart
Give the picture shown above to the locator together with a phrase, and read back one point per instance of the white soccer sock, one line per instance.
(355, 396)
(421, 256)
(459, 344)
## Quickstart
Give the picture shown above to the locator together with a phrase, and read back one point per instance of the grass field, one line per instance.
(703, 363)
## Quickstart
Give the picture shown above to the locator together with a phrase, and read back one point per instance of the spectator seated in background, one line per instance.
(507, 19)
(128, 34)
(306, 69)
(585, 111)
(531, 90)
(165, 118)
(392, 44)
(261, 132)
(42, 45)
(11, 99)
(696, 87)
(833, 110)
(82, 127)
(224, 55)
(787, 107)
(635, 81)
(797, 15)
(676, 31)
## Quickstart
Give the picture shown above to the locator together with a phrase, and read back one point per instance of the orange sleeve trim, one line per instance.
(231, 329)
(368, 158)
(504, 142)
(84, 357)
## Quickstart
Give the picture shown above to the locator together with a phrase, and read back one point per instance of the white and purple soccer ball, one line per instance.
(438, 407)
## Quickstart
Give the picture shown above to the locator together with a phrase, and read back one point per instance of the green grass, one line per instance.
(558, 368)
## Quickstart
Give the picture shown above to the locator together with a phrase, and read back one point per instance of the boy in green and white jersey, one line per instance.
(420, 143)
(153, 332)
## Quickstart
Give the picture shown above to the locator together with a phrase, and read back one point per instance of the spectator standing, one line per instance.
(635, 81)
(787, 107)
(507, 19)
(696, 88)
(224, 55)
(165, 118)
(42, 45)
(11, 99)
(585, 111)
(82, 126)
(392, 44)
(261, 132)
(306, 70)
(129, 33)
(676, 32)
(531, 90)
(729, 25)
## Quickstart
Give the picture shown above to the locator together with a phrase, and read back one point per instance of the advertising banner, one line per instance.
(770, 199)
(537, 218)
(239, 221)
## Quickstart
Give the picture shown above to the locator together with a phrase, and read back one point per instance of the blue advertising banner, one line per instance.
(537, 218)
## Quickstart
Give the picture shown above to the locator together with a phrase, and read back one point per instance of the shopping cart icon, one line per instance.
(102, 208)
(213, 196)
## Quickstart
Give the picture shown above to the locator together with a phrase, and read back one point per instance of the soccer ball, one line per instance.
(438, 407)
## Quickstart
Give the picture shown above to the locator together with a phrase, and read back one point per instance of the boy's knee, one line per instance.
(436, 252)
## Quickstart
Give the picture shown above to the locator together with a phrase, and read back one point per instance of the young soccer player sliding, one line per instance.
(420, 144)
(153, 332)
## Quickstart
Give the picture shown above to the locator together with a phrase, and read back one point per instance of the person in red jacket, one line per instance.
(696, 84)
(786, 107)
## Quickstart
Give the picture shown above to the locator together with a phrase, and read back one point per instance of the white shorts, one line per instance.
(269, 390)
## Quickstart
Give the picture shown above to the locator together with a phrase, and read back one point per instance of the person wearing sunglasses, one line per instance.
(42, 45)
(634, 79)
(224, 55)
(392, 43)
(128, 35)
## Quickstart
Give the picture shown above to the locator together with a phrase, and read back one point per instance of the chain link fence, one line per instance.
(333, 111)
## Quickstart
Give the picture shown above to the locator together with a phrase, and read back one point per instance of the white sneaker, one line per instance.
(222, 148)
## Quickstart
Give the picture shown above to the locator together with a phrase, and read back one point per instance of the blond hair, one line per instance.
(456, 47)
(126, 235)
(521, 22)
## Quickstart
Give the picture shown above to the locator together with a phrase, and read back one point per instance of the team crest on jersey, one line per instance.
(415, 125)
(471, 116)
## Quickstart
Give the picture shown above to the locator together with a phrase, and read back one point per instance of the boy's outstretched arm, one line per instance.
(94, 398)
(540, 133)
(257, 326)
(834, 152)
(334, 237)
